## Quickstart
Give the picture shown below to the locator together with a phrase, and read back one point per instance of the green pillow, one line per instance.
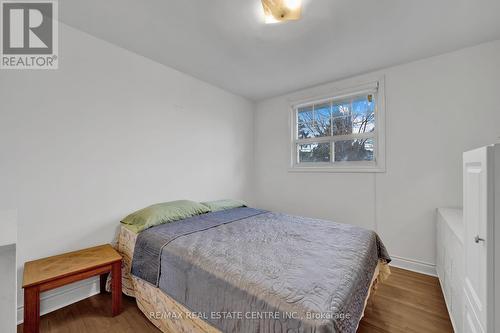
(163, 213)
(224, 204)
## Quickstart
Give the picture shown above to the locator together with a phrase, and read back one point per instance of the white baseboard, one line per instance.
(63, 297)
(414, 265)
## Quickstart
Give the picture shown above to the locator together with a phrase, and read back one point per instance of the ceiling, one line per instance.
(226, 43)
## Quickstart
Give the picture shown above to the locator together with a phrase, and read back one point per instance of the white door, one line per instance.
(476, 239)
(471, 324)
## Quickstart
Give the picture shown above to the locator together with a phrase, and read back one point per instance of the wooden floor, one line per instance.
(407, 302)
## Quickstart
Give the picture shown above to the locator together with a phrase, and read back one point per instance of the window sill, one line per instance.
(330, 169)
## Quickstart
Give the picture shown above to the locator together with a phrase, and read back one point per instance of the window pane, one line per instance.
(314, 152)
(363, 114)
(313, 123)
(340, 117)
(305, 114)
(342, 125)
(305, 130)
(354, 150)
(342, 122)
(305, 123)
(341, 108)
(322, 118)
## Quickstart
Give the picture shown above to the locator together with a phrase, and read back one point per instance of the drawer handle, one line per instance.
(478, 239)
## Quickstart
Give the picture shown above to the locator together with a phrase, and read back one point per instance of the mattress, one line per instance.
(170, 315)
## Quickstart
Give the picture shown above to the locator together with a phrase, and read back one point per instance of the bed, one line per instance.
(251, 270)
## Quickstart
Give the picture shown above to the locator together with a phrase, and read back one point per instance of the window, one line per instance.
(340, 133)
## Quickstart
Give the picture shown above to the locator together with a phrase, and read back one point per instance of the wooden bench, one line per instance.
(53, 272)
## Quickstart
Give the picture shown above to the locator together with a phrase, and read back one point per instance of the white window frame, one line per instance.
(376, 87)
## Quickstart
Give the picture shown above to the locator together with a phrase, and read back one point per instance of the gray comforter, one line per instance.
(249, 270)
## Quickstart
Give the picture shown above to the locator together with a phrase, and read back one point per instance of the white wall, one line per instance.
(8, 221)
(106, 134)
(435, 109)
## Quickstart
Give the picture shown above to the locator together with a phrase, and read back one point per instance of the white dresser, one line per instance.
(450, 262)
(468, 246)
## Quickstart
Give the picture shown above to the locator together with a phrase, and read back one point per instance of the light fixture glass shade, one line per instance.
(281, 10)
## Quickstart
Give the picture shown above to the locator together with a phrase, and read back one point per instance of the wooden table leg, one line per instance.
(102, 282)
(116, 288)
(31, 310)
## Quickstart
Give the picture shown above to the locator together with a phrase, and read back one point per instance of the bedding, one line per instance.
(154, 303)
(163, 213)
(249, 270)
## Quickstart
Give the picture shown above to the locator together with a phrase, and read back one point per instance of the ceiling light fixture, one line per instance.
(281, 10)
